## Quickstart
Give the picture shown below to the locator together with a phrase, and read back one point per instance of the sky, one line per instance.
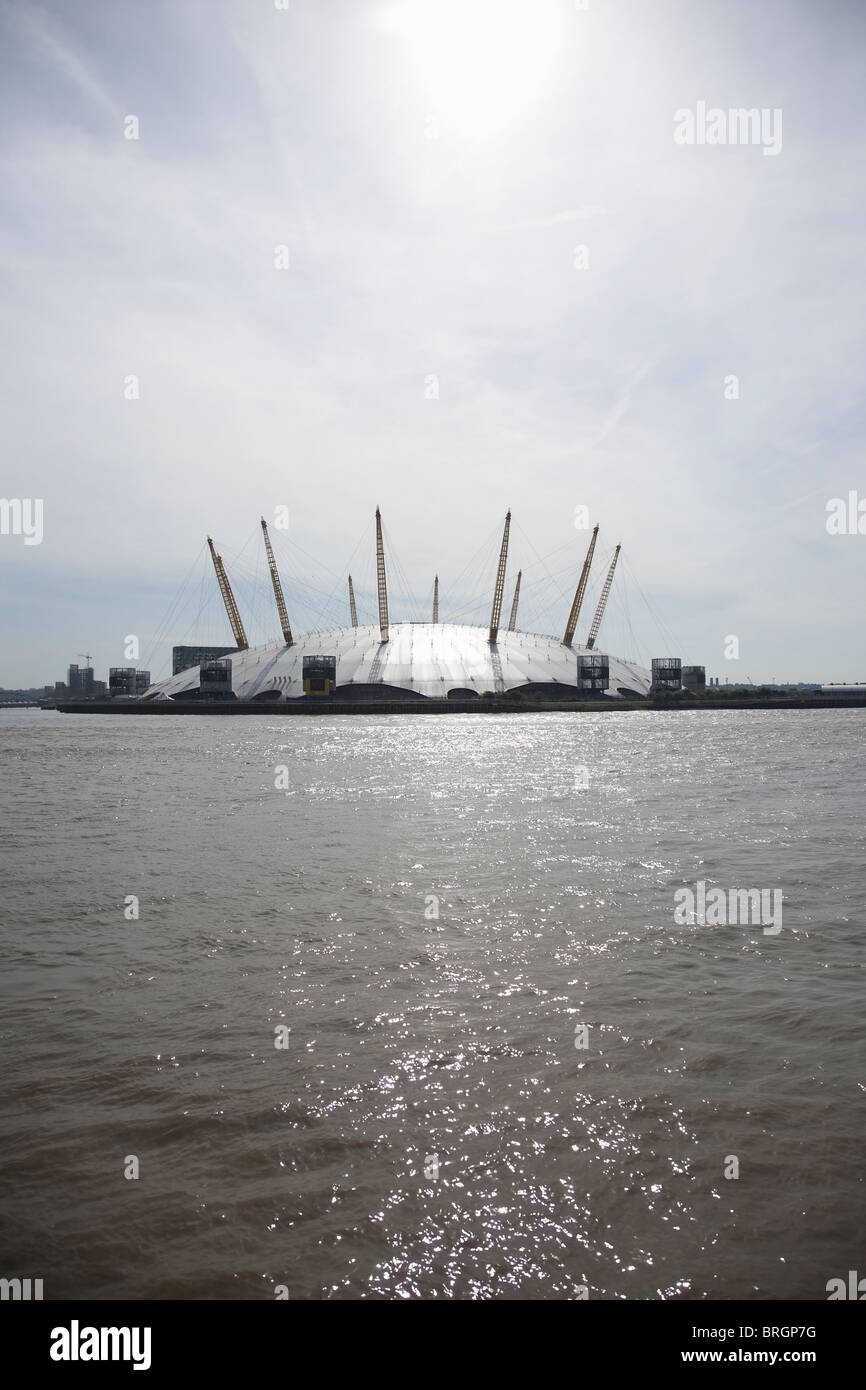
(444, 258)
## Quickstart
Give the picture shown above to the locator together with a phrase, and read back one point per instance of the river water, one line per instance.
(407, 1011)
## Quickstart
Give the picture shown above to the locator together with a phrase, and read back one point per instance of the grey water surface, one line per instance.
(433, 1127)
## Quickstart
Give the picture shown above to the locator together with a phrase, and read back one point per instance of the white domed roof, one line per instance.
(427, 659)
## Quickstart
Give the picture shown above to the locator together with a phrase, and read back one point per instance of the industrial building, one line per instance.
(127, 681)
(182, 658)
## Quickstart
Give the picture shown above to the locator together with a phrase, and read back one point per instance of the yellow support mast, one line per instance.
(234, 616)
(579, 592)
(500, 582)
(380, 576)
(513, 619)
(353, 612)
(278, 588)
(599, 612)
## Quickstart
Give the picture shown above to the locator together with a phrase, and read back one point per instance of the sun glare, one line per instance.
(482, 61)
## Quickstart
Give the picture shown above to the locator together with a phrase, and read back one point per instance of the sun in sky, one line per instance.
(482, 61)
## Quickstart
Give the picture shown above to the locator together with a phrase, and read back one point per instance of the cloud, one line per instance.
(412, 257)
(540, 224)
(39, 32)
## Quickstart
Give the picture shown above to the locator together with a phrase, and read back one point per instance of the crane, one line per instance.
(278, 588)
(579, 592)
(436, 598)
(87, 657)
(500, 582)
(380, 576)
(353, 612)
(513, 619)
(234, 616)
(599, 612)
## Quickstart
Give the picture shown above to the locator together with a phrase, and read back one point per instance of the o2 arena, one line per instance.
(404, 661)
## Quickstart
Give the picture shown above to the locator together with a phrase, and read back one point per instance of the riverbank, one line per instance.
(497, 705)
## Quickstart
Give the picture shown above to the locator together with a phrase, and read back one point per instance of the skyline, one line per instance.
(197, 613)
(328, 257)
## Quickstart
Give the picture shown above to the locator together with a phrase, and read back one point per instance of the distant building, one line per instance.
(125, 680)
(319, 675)
(215, 682)
(695, 679)
(593, 671)
(667, 675)
(79, 685)
(182, 658)
(80, 682)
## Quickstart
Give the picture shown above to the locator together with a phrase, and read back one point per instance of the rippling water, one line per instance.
(417, 1041)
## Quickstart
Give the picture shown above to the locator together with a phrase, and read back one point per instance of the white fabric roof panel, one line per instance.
(426, 658)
